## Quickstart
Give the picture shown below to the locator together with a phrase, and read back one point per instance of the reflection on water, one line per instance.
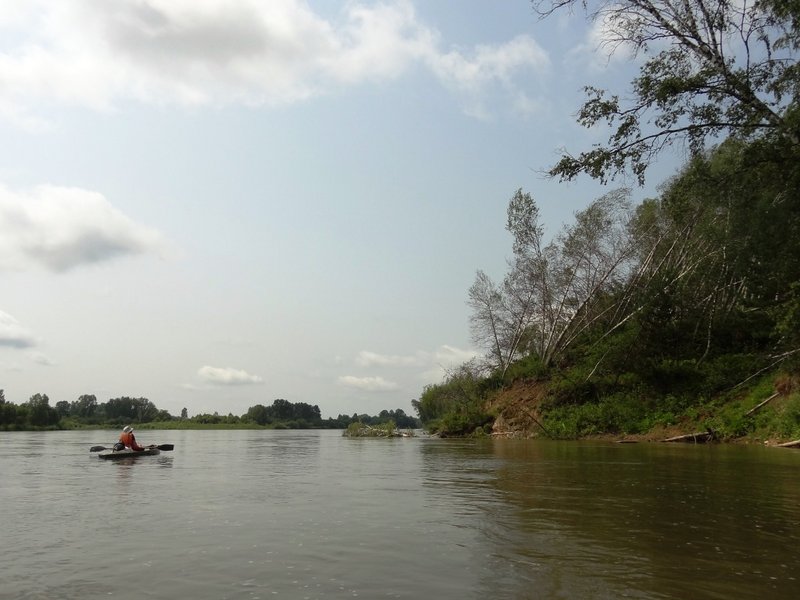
(127, 462)
(261, 514)
(602, 520)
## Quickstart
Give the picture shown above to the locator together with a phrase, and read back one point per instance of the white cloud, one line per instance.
(448, 356)
(366, 358)
(61, 228)
(14, 335)
(490, 64)
(368, 384)
(491, 67)
(431, 367)
(219, 52)
(227, 376)
(444, 360)
(601, 47)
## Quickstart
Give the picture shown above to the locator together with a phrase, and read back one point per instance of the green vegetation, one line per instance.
(86, 412)
(670, 313)
(679, 312)
(382, 430)
(456, 407)
(719, 69)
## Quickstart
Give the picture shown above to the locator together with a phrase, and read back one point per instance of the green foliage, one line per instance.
(86, 412)
(572, 385)
(359, 429)
(464, 423)
(787, 423)
(727, 371)
(712, 299)
(660, 316)
(454, 407)
(620, 413)
(258, 414)
(34, 414)
(552, 294)
(296, 415)
(129, 410)
(84, 407)
(624, 412)
(216, 419)
(722, 68)
(673, 376)
(787, 322)
(779, 419)
(354, 429)
(528, 367)
(40, 413)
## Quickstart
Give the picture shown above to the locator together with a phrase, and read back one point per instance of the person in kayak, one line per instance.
(127, 439)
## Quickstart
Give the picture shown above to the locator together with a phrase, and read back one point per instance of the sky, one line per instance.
(214, 204)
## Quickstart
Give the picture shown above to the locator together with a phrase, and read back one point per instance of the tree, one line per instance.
(713, 68)
(139, 410)
(506, 318)
(84, 407)
(554, 293)
(455, 406)
(62, 408)
(491, 322)
(40, 413)
(729, 249)
(591, 259)
(258, 414)
(306, 412)
(282, 410)
(184, 413)
(8, 411)
(163, 416)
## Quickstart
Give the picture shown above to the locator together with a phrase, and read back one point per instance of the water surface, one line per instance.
(250, 515)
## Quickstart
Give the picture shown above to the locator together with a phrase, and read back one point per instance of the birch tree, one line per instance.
(711, 69)
(550, 296)
(596, 256)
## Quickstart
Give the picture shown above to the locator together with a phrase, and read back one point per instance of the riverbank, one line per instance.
(766, 413)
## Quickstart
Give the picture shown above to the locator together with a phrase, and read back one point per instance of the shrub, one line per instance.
(530, 367)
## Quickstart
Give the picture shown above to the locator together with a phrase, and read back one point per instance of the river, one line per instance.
(252, 515)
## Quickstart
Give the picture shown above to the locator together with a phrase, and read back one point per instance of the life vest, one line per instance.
(127, 438)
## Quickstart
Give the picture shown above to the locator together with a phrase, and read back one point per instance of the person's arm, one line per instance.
(134, 444)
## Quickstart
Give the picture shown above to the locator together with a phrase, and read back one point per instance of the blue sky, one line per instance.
(214, 204)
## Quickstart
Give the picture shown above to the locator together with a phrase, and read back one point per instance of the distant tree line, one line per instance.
(86, 411)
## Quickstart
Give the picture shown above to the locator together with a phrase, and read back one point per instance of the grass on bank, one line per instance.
(727, 414)
(574, 403)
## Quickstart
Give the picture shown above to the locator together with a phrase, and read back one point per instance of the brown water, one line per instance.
(278, 514)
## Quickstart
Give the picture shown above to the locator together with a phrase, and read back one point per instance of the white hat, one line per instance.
(127, 429)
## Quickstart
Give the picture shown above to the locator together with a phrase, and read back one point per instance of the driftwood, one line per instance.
(697, 438)
(794, 444)
(364, 430)
(758, 406)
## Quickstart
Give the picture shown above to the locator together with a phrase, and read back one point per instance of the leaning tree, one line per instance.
(710, 69)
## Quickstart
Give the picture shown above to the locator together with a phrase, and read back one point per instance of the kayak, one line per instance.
(114, 454)
(148, 451)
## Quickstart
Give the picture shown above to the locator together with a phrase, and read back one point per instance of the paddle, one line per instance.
(164, 447)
